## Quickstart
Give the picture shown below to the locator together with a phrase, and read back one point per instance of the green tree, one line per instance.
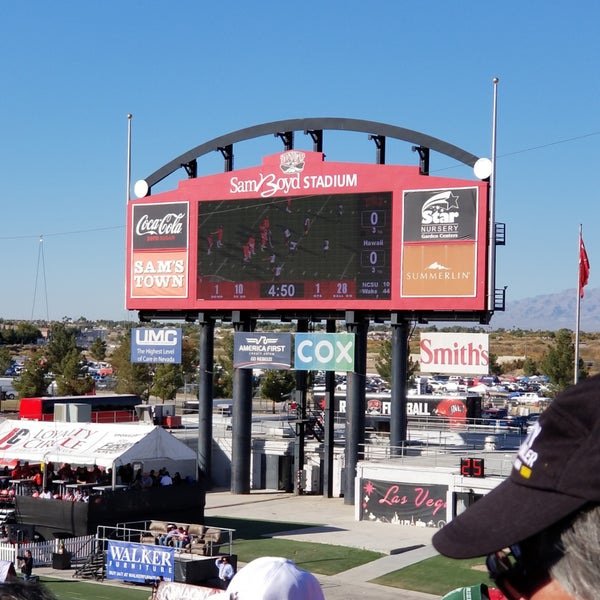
(132, 378)
(530, 367)
(383, 364)
(277, 385)
(59, 346)
(495, 367)
(23, 333)
(32, 382)
(558, 362)
(98, 349)
(5, 359)
(65, 361)
(189, 358)
(168, 378)
(73, 381)
(223, 369)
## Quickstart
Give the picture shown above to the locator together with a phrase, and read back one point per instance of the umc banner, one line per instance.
(156, 345)
(138, 562)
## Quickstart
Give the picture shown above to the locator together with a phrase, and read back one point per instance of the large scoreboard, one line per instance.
(300, 233)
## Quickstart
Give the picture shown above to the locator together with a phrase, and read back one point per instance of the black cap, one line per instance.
(555, 473)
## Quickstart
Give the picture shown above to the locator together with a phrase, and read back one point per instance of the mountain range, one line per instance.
(550, 312)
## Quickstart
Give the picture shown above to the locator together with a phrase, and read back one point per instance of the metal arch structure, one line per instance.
(375, 130)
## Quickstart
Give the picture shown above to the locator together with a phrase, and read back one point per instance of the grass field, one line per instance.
(437, 575)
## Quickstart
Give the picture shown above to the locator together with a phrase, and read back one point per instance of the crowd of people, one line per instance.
(53, 483)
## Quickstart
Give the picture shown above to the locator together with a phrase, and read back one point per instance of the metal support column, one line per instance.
(328, 422)
(205, 398)
(301, 381)
(355, 402)
(399, 376)
(241, 445)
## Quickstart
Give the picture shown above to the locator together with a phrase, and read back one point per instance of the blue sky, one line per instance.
(190, 71)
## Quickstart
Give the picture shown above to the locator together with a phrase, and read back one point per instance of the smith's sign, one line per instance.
(464, 353)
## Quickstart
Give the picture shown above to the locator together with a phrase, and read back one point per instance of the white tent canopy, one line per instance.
(105, 445)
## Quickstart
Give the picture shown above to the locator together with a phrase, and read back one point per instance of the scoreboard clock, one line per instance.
(472, 467)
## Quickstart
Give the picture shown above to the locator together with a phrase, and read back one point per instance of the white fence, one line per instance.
(79, 547)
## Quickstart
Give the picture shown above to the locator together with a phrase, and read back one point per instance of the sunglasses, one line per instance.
(513, 577)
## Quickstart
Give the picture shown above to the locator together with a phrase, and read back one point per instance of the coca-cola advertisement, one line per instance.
(159, 256)
(403, 503)
(160, 226)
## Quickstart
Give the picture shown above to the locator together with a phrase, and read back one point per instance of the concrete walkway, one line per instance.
(403, 545)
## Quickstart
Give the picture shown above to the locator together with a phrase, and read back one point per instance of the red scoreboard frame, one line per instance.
(299, 233)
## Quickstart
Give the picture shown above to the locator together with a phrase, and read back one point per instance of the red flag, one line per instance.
(584, 267)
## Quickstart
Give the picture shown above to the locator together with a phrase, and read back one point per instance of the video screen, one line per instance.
(312, 247)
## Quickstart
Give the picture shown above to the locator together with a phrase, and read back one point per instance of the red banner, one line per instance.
(584, 267)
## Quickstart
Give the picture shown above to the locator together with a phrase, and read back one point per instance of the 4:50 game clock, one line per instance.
(472, 467)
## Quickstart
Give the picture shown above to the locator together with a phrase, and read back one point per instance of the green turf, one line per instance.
(248, 529)
(323, 559)
(437, 575)
(75, 589)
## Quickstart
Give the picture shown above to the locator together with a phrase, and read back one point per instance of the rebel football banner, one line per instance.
(139, 562)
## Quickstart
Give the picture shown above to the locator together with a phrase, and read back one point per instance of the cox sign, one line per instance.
(324, 352)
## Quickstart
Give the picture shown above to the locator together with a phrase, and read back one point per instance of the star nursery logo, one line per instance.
(441, 208)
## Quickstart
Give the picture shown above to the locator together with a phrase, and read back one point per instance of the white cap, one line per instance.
(274, 578)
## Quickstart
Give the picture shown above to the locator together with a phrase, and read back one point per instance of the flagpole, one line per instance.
(128, 196)
(492, 205)
(578, 307)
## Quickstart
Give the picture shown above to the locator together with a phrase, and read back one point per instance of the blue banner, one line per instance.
(150, 345)
(139, 562)
(324, 352)
(262, 350)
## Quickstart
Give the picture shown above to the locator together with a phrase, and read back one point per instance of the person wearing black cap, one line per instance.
(540, 528)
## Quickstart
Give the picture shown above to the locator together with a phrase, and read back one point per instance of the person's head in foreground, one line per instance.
(273, 578)
(540, 528)
(22, 590)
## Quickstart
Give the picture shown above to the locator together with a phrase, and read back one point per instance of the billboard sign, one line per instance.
(404, 503)
(301, 233)
(262, 350)
(324, 352)
(151, 345)
(159, 251)
(138, 562)
(461, 353)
